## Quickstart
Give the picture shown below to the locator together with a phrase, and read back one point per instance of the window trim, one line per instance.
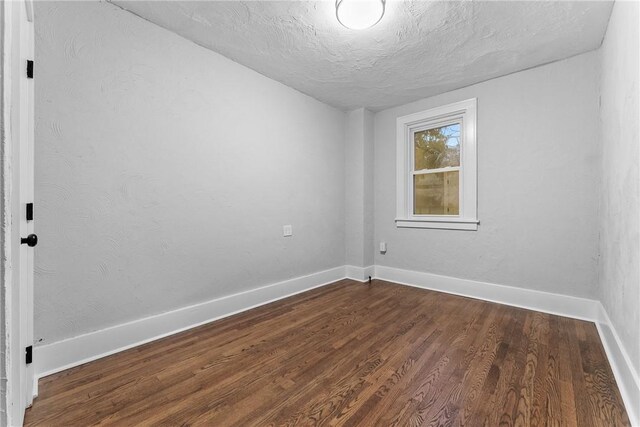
(465, 113)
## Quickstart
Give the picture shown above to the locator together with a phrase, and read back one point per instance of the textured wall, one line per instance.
(354, 188)
(538, 178)
(620, 203)
(164, 173)
(369, 193)
(3, 283)
(359, 188)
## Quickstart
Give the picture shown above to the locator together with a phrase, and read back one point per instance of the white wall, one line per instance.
(538, 176)
(164, 173)
(3, 231)
(620, 200)
(369, 192)
(359, 188)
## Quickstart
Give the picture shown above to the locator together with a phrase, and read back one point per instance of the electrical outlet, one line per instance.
(287, 231)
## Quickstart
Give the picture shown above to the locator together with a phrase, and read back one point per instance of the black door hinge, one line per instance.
(29, 354)
(29, 211)
(29, 69)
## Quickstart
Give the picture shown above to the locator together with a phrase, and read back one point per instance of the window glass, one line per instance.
(437, 148)
(437, 193)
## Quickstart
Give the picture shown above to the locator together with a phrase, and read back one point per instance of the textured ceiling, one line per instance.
(419, 48)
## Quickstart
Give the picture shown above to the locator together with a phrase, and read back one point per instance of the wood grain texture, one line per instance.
(351, 354)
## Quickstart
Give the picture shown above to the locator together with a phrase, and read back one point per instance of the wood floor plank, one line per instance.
(350, 354)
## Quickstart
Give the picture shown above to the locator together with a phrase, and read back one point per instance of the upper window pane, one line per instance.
(437, 148)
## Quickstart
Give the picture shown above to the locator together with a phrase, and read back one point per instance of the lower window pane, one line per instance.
(436, 194)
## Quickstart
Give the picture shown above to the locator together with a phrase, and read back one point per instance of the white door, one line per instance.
(28, 238)
(18, 244)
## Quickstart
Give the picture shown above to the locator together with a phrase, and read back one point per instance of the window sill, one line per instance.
(439, 223)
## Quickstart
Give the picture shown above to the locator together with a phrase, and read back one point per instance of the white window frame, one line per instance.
(465, 113)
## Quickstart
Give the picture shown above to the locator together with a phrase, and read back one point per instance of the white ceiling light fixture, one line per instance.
(359, 14)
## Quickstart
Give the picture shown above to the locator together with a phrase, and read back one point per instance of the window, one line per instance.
(436, 155)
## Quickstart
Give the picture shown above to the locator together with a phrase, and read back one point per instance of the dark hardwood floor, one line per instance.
(351, 354)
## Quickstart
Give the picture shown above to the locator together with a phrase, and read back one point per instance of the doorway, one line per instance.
(18, 238)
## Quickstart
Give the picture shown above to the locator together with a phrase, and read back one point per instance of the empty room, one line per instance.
(308, 212)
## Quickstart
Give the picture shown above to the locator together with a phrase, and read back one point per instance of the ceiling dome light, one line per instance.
(359, 14)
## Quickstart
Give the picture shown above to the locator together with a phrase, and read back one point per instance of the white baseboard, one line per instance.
(546, 302)
(361, 274)
(57, 356)
(622, 366)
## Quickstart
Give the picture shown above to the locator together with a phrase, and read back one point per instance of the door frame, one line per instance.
(17, 301)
